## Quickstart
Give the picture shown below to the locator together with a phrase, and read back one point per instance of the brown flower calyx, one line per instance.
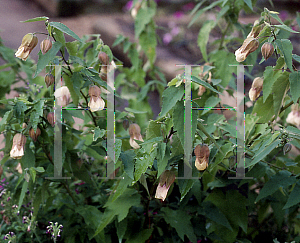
(46, 45)
(50, 118)
(250, 45)
(256, 88)
(17, 150)
(49, 79)
(135, 133)
(166, 179)
(125, 124)
(34, 135)
(103, 58)
(96, 103)
(267, 50)
(29, 41)
(202, 156)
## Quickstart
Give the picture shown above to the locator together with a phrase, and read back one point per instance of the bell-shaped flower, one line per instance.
(256, 88)
(62, 96)
(96, 103)
(29, 41)
(294, 116)
(249, 45)
(17, 150)
(202, 157)
(135, 133)
(255, 29)
(165, 181)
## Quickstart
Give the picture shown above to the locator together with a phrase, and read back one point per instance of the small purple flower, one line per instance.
(167, 38)
(128, 6)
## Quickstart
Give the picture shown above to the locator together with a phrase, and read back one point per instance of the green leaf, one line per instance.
(264, 110)
(181, 221)
(163, 155)
(212, 212)
(36, 114)
(142, 163)
(205, 84)
(263, 152)
(204, 35)
(185, 186)
(122, 204)
(28, 160)
(92, 216)
(141, 236)
(143, 17)
(280, 88)
(269, 78)
(127, 158)
(118, 149)
(39, 169)
(249, 4)
(121, 187)
(294, 197)
(8, 115)
(59, 36)
(98, 133)
(211, 102)
(37, 199)
(169, 98)
(295, 86)
(134, 110)
(153, 130)
(32, 172)
(35, 19)
(72, 86)
(65, 29)
(148, 42)
(19, 110)
(282, 179)
(23, 191)
(44, 60)
(285, 27)
(286, 48)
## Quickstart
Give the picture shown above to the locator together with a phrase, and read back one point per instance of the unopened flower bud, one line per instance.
(49, 79)
(96, 103)
(267, 50)
(17, 150)
(46, 45)
(294, 116)
(50, 118)
(62, 96)
(250, 45)
(135, 133)
(24, 125)
(103, 73)
(103, 58)
(34, 135)
(255, 29)
(287, 148)
(1, 170)
(165, 181)
(29, 41)
(126, 124)
(202, 156)
(256, 88)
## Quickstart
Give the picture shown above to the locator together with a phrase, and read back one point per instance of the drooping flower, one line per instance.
(135, 133)
(50, 118)
(49, 79)
(62, 96)
(202, 156)
(256, 88)
(29, 41)
(17, 150)
(267, 50)
(255, 29)
(165, 181)
(250, 45)
(96, 103)
(34, 135)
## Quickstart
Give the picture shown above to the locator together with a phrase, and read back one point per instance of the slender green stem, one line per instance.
(223, 36)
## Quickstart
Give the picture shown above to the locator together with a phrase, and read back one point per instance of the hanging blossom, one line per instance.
(135, 133)
(29, 41)
(165, 181)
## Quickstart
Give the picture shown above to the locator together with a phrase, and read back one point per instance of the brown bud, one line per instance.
(50, 118)
(103, 58)
(34, 135)
(202, 156)
(49, 79)
(1, 170)
(267, 50)
(46, 45)
(103, 73)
